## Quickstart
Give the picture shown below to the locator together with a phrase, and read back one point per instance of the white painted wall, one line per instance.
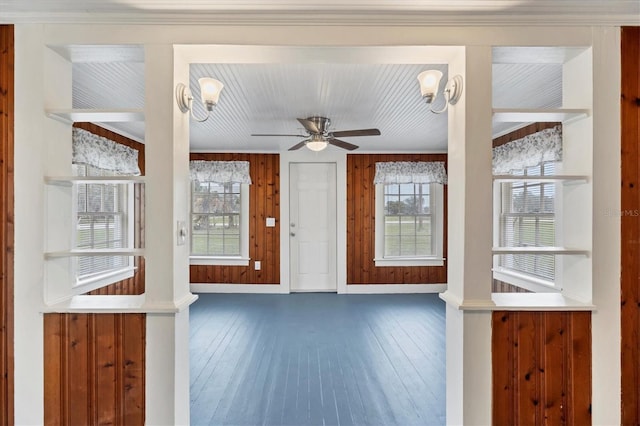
(166, 391)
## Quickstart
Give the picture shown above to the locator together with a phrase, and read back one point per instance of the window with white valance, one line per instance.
(410, 172)
(527, 210)
(104, 154)
(409, 213)
(219, 212)
(530, 151)
(104, 212)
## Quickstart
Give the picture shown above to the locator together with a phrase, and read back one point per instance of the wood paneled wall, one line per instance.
(361, 267)
(264, 243)
(6, 222)
(630, 281)
(94, 369)
(541, 364)
(135, 284)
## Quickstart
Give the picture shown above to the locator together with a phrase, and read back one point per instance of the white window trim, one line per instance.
(437, 194)
(518, 278)
(112, 276)
(243, 259)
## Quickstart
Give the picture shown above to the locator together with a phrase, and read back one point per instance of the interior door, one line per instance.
(312, 227)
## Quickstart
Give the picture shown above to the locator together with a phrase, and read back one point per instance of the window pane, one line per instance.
(407, 222)
(527, 219)
(215, 219)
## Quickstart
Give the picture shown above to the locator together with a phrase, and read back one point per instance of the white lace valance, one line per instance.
(103, 153)
(220, 171)
(410, 172)
(529, 151)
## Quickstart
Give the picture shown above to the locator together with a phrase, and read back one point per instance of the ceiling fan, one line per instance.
(318, 135)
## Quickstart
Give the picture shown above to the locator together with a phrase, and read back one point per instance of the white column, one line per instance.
(167, 276)
(469, 244)
(606, 364)
(30, 154)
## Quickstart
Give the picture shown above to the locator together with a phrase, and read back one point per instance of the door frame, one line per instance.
(330, 155)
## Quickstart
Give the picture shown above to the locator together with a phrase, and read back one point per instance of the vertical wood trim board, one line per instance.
(7, 93)
(94, 369)
(541, 366)
(264, 243)
(630, 226)
(361, 251)
(135, 284)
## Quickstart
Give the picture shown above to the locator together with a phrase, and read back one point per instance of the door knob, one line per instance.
(293, 234)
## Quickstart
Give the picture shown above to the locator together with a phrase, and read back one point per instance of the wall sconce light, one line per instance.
(210, 89)
(429, 84)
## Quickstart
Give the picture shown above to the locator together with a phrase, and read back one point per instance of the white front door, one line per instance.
(312, 231)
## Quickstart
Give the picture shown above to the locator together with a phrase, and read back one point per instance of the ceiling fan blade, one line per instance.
(272, 134)
(360, 132)
(342, 144)
(309, 125)
(298, 145)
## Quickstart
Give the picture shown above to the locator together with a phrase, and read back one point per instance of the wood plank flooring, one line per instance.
(318, 359)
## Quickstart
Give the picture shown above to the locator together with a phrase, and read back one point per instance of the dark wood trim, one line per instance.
(522, 132)
(264, 243)
(7, 94)
(134, 285)
(361, 268)
(630, 225)
(541, 367)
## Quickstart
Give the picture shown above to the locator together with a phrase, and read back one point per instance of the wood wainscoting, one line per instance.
(6, 228)
(630, 223)
(264, 242)
(541, 363)
(94, 369)
(361, 268)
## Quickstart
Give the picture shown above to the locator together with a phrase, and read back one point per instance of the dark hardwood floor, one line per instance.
(318, 359)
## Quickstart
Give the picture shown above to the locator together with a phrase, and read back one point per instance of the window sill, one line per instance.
(221, 261)
(527, 282)
(103, 280)
(407, 261)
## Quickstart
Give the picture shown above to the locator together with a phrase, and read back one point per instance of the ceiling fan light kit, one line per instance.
(210, 90)
(429, 84)
(318, 136)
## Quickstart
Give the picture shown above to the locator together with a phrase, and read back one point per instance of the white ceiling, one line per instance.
(267, 98)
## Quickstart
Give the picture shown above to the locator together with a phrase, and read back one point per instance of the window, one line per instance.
(219, 212)
(409, 228)
(527, 218)
(102, 222)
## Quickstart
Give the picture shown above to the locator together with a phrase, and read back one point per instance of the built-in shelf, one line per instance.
(554, 178)
(69, 180)
(96, 115)
(516, 115)
(540, 250)
(94, 252)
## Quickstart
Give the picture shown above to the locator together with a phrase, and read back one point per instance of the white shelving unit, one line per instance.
(94, 252)
(71, 116)
(519, 115)
(566, 179)
(540, 250)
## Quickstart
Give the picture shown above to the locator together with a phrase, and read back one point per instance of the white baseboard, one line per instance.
(395, 288)
(238, 288)
(351, 289)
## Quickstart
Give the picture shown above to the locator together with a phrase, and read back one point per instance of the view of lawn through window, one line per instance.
(407, 220)
(215, 219)
(527, 219)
